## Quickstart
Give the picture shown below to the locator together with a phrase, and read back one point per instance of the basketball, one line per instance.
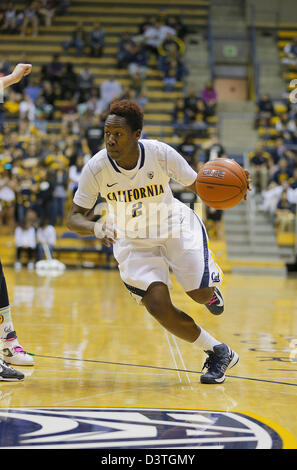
(221, 183)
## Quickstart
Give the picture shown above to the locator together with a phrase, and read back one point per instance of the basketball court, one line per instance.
(108, 376)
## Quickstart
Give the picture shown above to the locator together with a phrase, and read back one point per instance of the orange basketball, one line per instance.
(221, 183)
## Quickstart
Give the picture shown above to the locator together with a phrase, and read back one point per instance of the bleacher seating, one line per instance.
(116, 18)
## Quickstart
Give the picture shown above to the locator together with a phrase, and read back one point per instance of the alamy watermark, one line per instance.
(149, 221)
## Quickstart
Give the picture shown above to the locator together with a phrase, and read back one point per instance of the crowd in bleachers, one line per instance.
(273, 163)
(34, 13)
(52, 122)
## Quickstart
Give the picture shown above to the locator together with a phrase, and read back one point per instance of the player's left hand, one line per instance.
(248, 183)
(20, 71)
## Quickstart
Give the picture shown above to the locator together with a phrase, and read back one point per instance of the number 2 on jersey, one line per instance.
(137, 209)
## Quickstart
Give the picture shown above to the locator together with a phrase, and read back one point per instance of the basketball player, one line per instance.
(151, 231)
(9, 345)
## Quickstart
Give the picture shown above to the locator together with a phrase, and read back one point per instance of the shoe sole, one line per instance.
(23, 364)
(233, 363)
(11, 380)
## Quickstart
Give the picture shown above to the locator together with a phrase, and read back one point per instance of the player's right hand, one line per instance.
(105, 233)
(20, 71)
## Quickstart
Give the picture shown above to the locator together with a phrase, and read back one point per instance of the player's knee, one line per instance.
(160, 309)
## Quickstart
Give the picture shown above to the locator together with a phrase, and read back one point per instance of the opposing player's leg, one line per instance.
(220, 357)
(11, 350)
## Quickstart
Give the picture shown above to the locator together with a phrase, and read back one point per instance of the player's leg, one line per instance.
(193, 264)
(220, 357)
(11, 350)
(7, 373)
(158, 303)
(211, 297)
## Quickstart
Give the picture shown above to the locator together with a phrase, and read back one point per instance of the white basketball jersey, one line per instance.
(140, 201)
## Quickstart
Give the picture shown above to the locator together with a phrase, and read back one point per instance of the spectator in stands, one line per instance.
(191, 100)
(74, 174)
(25, 242)
(69, 82)
(33, 89)
(290, 51)
(285, 214)
(147, 22)
(27, 108)
(26, 193)
(8, 186)
(44, 195)
(152, 38)
(264, 111)
(63, 6)
(200, 123)
(189, 150)
(55, 71)
(110, 89)
(48, 93)
(93, 105)
(179, 116)
(278, 151)
(46, 235)
(94, 134)
(286, 127)
(282, 173)
(173, 72)
(10, 17)
(176, 23)
(137, 84)
(96, 40)
(85, 82)
(137, 61)
(54, 156)
(70, 150)
(47, 11)
(4, 64)
(169, 50)
(209, 97)
(124, 48)
(78, 39)
(30, 19)
(213, 149)
(260, 162)
(293, 180)
(59, 180)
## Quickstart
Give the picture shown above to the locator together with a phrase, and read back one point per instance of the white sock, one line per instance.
(205, 341)
(6, 325)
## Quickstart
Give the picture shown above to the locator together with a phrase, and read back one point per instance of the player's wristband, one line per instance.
(98, 230)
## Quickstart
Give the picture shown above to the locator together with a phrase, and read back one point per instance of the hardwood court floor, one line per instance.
(95, 348)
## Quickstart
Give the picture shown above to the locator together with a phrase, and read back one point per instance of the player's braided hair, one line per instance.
(130, 111)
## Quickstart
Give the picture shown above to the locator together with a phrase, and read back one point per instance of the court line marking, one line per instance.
(253, 379)
(181, 358)
(173, 357)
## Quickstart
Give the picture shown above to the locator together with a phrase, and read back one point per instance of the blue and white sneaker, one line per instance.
(216, 304)
(218, 361)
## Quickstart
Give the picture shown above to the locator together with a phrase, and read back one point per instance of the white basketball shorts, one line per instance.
(186, 253)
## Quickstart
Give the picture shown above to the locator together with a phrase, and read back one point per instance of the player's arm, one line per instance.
(79, 222)
(20, 71)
